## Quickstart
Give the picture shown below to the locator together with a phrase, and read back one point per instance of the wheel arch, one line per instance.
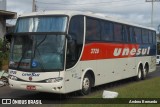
(90, 71)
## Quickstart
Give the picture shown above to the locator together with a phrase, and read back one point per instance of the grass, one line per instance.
(143, 89)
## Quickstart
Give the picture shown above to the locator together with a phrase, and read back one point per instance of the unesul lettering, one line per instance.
(132, 52)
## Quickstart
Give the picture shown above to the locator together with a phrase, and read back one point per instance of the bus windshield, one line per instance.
(38, 44)
(41, 24)
(37, 52)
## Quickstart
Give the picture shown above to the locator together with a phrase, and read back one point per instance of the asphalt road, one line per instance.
(6, 92)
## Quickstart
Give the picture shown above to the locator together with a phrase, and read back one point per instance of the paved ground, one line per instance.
(6, 92)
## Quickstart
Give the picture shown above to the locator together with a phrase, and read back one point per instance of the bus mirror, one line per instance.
(9, 36)
(69, 38)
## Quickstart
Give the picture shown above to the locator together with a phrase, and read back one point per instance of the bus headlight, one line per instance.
(53, 80)
(13, 77)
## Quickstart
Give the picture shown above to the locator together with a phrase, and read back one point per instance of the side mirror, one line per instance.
(69, 38)
(8, 36)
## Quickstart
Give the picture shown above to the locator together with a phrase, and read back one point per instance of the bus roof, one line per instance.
(71, 13)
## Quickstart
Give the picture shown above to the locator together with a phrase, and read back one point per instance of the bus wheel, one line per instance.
(86, 84)
(145, 71)
(140, 74)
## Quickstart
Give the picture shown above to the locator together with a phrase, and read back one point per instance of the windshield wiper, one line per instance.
(39, 44)
(40, 60)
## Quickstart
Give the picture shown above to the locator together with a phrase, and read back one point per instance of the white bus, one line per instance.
(66, 51)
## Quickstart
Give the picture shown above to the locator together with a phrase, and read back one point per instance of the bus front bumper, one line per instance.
(34, 86)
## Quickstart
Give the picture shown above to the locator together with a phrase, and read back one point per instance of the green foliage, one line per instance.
(1, 44)
(1, 58)
(3, 55)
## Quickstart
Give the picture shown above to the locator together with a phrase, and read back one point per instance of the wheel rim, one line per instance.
(86, 84)
(145, 72)
(139, 74)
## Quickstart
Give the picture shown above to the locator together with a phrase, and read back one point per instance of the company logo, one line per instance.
(30, 78)
(34, 64)
(18, 101)
(6, 101)
(132, 52)
(31, 74)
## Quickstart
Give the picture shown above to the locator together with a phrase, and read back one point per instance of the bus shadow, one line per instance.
(65, 97)
(60, 98)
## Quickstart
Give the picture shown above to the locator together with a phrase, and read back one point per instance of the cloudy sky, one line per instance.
(135, 11)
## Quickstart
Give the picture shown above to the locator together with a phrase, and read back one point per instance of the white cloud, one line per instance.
(136, 11)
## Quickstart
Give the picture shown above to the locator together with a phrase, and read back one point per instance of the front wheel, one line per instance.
(86, 85)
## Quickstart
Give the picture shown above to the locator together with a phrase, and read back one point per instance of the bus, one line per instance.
(67, 51)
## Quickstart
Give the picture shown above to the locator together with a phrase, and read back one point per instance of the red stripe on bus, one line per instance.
(95, 51)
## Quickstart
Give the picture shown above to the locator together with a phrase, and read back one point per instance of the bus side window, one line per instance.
(74, 47)
(138, 36)
(118, 32)
(154, 38)
(132, 35)
(92, 29)
(126, 33)
(150, 36)
(107, 31)
(145, 36)
(76, 28)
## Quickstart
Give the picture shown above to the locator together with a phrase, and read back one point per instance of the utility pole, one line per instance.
(34, 8)
(152, 15)
(152, 11)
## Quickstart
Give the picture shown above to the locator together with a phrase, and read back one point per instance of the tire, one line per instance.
(145, 72)
(86, 85)
(140, 74)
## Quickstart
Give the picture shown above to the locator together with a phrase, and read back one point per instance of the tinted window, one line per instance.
(118, 32)
(126, 33)
(42, 24)
(92, 29)
(137, 34)
(150, 36)
(132, 35)
(107, 31)
(154, 37)
(145, 36)
(76, 28)
(74, 47)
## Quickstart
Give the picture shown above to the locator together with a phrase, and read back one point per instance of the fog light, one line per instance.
(13, 77)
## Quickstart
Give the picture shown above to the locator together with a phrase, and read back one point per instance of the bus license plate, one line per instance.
(29, 87)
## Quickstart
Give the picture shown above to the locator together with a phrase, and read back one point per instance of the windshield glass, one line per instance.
(37, 52)
(41, 24)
